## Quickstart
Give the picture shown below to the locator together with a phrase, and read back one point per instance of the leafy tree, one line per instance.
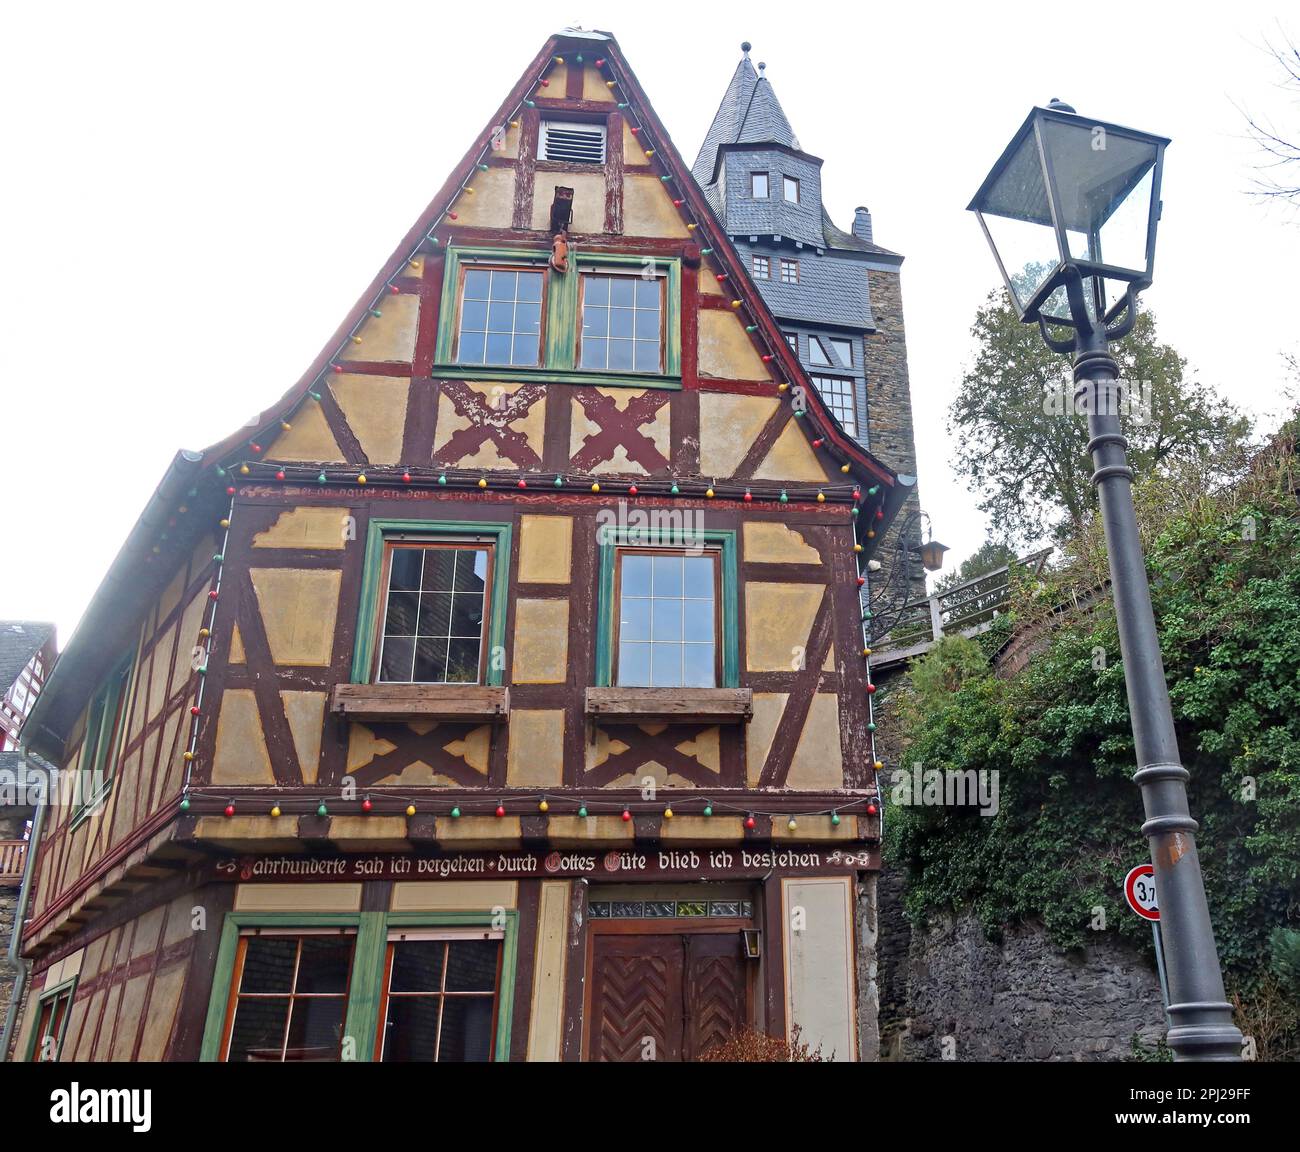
(988, 557)
(1225, 574)
(1021, 447)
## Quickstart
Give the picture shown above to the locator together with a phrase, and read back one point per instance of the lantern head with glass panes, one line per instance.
(1070, 211)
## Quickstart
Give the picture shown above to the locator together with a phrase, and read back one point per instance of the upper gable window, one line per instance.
(844, 350)
(501, 317)
(789, 271)
(838, 394)
(817, 353)
(758, 185)
(762, 268)
(622, 323)
(791, 189)
(572, 142)
(105, 720)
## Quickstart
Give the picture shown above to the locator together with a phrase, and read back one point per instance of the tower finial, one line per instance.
(762, 67)
(745, 47)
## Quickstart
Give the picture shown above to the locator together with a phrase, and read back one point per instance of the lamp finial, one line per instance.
(1060, 106)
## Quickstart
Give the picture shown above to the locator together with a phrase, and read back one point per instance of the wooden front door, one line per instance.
(667, 996)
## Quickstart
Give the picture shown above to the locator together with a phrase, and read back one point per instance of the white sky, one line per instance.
(193, 196)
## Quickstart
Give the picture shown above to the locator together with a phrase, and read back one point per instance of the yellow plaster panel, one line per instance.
(531, 426)
(657, 428)
(817, 828)
(546, 1019)
(111, 1002)
(320, 529)
(364, 746)
(778, 619)
(588, 200)
(390, 336)
(239, 833)
(541, 652)
(373, 833)
(240, 756)
(703, 829)
(509, 140)
(128, 1017)
(28, 1020)
(725, 349)
(453, 895)
(705, 747)
(236, 647)
(545, 549)
(491, 206)
(558, 78)
(305, 712)
(708, 281)
(817, 762)
(648, 209)
(770, 542)
(633, 149)
(760, 732)
(309, 438)
(536, 755)
(171, 595)
(576, 831)
(191, 622)
(160, 670)
(594, 86)
(179, 923)
(792, 458)
(478, 831)
(728, 426)
(298, 897)
(161, 1013)
(148, 928)
(298, 608)
(375, 409)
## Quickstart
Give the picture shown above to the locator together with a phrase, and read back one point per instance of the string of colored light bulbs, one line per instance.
(542, 805)
(205, 635)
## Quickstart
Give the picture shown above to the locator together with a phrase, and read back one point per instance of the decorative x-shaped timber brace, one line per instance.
(619, 428)
(644, 747)
(490, 423)
(411, 745)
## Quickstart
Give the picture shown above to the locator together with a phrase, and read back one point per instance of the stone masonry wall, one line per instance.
(1022, 998)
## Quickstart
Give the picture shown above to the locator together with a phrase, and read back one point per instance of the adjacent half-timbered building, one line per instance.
(501, 694)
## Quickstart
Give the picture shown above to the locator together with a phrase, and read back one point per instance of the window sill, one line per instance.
(672, 705)
(579, 376)
(398, 702)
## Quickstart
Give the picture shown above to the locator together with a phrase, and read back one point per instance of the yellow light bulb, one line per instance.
(410, 809)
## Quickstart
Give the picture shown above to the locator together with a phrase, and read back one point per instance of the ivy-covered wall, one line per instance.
(1225, 573)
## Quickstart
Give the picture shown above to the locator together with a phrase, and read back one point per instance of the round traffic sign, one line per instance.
(1140, 892)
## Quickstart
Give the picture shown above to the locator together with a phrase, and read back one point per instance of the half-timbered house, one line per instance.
(501, 693)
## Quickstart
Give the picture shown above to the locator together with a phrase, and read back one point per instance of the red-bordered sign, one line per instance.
(1140, 892)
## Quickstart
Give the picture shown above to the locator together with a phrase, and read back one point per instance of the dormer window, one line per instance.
(572, 142)
(791, 189)
(758, 185)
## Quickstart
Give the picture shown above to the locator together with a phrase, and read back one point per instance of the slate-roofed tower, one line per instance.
(836, 294)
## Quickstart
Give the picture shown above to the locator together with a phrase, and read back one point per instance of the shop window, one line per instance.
(440, 997)
(289, 996)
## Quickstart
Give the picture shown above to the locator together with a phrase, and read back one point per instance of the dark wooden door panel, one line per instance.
(716, 987)
(636, 998)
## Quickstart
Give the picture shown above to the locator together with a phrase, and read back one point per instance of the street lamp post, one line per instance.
(1070, 210)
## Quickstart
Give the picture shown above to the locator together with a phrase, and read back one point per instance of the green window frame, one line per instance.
(105, 729)
(498, 535)
(611, 537)
(372, 929)
(560, 318)
(50, 997)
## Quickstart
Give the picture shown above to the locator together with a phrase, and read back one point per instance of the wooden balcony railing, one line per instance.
(13, 855)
